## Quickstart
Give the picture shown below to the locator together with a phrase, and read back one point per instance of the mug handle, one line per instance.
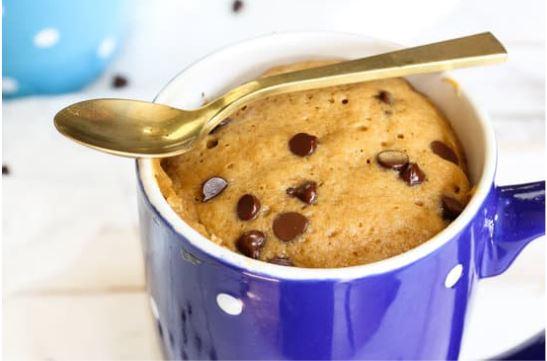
(519, 217)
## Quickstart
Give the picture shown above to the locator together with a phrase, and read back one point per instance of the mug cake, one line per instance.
(324, 178)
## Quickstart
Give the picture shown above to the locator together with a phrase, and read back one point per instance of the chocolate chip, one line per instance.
(220, 125)
(385, 97)
(282, 261)
(250, 243)
(288, 226)
(237, 6)
(119, 81)
(451, 207)
(345, 101)
(212, 143)
(247, 207)
(5, 170)
(392, 159)
(306, 192)
(444, 151)
(212, 187)
(412, 174)
(303, 144)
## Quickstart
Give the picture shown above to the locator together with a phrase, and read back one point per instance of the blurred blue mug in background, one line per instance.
(58, 46)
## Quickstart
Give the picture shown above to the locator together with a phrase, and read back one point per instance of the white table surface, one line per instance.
(73, 284)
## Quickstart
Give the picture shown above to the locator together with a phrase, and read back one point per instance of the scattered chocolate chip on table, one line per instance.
(119, 81)
(237, 6)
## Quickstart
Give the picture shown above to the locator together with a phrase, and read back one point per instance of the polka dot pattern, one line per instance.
(453, 276)
(9, 85)
(229, 304)
(46, 38)
(106, 48)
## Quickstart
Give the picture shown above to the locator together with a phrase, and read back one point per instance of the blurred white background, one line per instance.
(73, 279)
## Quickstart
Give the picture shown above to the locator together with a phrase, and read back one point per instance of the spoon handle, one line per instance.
(479, 49)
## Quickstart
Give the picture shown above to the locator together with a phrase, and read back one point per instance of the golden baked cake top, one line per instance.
(325, 178)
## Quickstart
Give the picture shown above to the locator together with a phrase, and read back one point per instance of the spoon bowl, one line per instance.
(128, 127)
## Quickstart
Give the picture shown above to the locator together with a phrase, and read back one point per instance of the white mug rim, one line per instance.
(152, 192)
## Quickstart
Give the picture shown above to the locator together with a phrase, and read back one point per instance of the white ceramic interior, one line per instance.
(244, 61)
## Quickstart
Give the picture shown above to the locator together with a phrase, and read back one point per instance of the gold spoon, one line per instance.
(141, 129)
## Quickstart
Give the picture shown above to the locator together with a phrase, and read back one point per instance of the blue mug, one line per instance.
(211, 303)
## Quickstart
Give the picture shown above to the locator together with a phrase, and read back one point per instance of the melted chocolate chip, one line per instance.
(444, 151)
(306, 192)
(220, 125)
(119, 81)
(385, 97)
(212, 187)
(250, 243)
(303, 144)
(451, 207)
(412, 174)
(282, 261)
(392, 159)
(248, 207)
(288, 226)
